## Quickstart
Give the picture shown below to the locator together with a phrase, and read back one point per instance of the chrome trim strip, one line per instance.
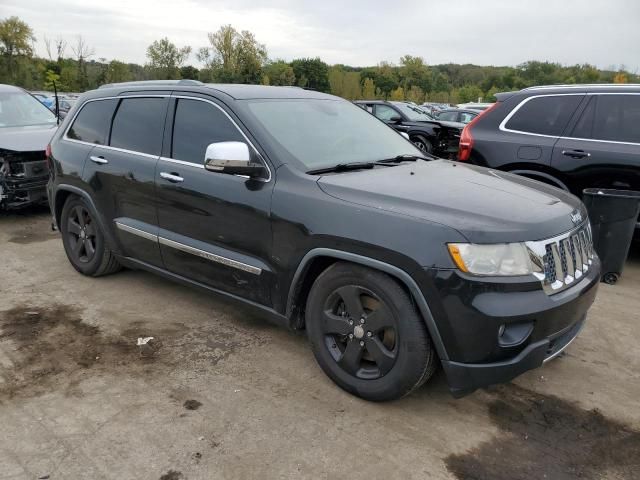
(551, 357)
(137, 231)
(182, 162)
(266, 164)
(210, 256)
(503, 127)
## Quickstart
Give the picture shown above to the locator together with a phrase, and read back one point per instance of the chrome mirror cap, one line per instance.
(222, 155)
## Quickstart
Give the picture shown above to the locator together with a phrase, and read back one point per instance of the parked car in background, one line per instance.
(457, 115)
(46, 99)
(474, 106)
(314, 213)
(572, 137)
(64, 104)
(26, 126)
(433, 136)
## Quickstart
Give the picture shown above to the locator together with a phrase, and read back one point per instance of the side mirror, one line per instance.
(232, 158)
(395, 119)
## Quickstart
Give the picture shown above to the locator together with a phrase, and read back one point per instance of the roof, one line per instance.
(236, 91)
(577, 88)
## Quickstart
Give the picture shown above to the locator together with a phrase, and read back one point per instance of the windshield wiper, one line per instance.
(343, 167)
(403, 158)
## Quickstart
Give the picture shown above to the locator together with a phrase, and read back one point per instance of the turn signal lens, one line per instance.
(457, 257)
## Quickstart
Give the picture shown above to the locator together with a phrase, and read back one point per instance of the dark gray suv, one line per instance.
(310, 210)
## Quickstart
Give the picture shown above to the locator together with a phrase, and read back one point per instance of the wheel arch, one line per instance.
(549, 177)
(318, 260)
(63, 192)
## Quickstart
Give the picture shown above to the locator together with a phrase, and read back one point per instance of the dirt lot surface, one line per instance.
(219, 393)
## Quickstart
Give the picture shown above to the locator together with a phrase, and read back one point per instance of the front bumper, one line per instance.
(472, 312)
(464, 378)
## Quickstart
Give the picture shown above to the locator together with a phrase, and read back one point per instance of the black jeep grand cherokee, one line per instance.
(306, 207)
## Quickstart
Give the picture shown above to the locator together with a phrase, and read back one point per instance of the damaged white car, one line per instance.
(26, 126)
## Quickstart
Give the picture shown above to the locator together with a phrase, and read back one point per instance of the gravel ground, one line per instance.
(221, 394)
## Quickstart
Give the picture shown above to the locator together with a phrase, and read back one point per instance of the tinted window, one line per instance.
(196, 125)
(384, 112)
(584, 127)
(138, 125)
(617, 118)
(545, 115)
(92, 123)
(448, 116)
(466, 117)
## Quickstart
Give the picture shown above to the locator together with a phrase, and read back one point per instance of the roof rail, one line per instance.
(582, 85)
(152, 83)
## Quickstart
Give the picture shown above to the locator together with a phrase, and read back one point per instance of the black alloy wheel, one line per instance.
(81, 234)
(360, 332)
(366, 333)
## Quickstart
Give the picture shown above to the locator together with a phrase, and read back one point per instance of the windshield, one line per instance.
(324, 133)
(19, 109)
(413, 113)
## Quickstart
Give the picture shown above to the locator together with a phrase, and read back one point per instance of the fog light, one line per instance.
(514, 334)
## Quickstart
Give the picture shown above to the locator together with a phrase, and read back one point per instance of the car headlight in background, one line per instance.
(505, 259)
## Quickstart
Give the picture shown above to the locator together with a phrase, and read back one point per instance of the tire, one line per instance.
(394, 360)
(84, 241)
(422, 143)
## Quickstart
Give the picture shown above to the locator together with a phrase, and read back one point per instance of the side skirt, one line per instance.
(270, 314)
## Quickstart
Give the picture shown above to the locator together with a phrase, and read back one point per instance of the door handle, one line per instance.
(575, 153)
(172, 177)
(99, 160)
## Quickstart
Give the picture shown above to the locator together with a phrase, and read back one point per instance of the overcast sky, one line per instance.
(356, 32)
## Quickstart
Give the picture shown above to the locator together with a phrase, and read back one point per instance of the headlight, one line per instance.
(505, 259)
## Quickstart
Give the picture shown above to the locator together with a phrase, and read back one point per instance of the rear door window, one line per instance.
(92, 123)
(138, 125)
(547, 115)
(196, 125)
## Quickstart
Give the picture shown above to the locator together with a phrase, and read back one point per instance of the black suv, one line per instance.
(572, 137)
(311, 210)
(433, 136)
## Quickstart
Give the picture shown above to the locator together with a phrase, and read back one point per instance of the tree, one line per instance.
(386, 78)
(397, 94)
(165, 59)
(369, 89)
(234, 57)
(117, 72)
(82, 53)
(312, 73)
(50, 78)
(414, 72)
(620, 77)
(279, 72)
(470, 93)
(16, 38)
(189, 72)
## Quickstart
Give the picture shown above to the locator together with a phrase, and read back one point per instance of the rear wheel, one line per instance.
(83, 240)
(366, 334)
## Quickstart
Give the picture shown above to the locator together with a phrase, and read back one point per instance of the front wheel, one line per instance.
(422, 143)
(366, 334)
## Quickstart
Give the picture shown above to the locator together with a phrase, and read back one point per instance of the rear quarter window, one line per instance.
(91, 125)
(546, 115)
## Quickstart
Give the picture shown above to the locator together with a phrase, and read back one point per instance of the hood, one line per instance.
(484, 205)
(441, 123)
(26, 139)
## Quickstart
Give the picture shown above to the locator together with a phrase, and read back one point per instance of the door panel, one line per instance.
(600, 150)
(214, 228)
(122, 174)
(124, 192)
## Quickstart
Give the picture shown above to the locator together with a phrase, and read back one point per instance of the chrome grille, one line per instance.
(562, 260)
